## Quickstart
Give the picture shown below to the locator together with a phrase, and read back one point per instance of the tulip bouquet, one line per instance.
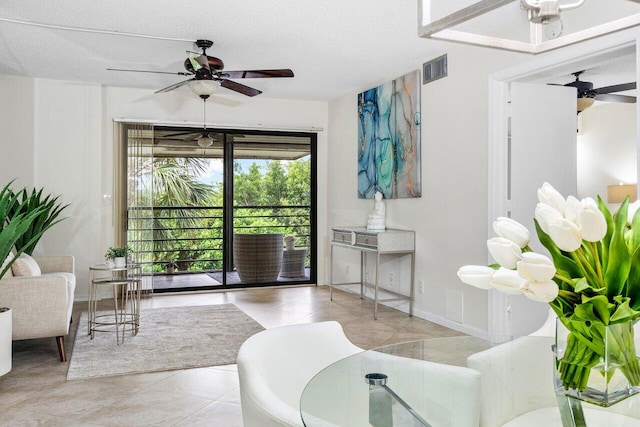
(591, 280)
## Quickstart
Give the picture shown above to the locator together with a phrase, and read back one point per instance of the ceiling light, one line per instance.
(475, 23)
(203, 88)
(205, 141)
(584, 103)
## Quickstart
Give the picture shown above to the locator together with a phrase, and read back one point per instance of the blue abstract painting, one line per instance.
(389, 139)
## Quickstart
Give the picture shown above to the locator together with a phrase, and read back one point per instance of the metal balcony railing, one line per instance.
(191, 237)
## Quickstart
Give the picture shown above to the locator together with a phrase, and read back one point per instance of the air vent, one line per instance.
(434, 69)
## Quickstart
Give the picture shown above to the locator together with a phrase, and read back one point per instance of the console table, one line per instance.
(387, 242)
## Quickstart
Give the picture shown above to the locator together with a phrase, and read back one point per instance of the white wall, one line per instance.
(16, 128)
(66, 145)
(450, 219)
(606, 149)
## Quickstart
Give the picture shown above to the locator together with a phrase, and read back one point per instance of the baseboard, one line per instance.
(460, 327)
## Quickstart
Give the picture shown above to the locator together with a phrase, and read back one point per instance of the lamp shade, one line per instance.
(584, 103)
(617, 193)
(205, 141)
(203, 87)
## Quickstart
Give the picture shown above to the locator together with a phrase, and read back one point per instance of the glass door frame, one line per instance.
(228, 222)
(121, 163)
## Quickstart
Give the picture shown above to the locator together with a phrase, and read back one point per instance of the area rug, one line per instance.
(169, 339)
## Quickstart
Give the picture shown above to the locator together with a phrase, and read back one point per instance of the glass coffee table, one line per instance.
(425, 383)
(388, 386)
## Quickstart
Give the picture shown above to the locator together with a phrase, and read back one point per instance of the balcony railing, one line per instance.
(192, 237)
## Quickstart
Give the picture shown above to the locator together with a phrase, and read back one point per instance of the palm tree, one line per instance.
(170, 183)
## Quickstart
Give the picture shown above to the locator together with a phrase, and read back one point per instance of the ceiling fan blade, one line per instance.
(171, 135)
(615, 98)
(175, 86)
(258, 74)
(616, 88)
(179, 73)
(240, 88)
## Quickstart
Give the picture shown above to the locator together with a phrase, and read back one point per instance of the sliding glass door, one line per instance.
(188, 191)
(272, 194)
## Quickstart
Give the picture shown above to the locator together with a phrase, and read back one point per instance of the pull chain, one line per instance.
(204, 118)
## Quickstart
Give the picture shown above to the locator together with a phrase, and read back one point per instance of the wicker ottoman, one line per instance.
(258, 257)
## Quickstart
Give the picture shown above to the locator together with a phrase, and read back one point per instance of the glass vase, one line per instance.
(597, 363)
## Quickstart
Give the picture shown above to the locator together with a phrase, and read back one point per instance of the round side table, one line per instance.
(126, 285)
(5, 340)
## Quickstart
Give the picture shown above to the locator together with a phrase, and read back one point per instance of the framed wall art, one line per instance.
(389, 139)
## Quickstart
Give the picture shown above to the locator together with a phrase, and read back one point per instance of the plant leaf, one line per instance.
(619, 264)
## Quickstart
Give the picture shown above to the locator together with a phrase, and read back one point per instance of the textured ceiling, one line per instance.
(333, 46)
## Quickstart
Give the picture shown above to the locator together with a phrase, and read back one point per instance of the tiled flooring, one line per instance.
(36, 391)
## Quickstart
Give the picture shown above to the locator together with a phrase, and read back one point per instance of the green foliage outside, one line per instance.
(187, 218)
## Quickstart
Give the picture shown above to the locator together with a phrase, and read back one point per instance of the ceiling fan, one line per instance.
(587, 95)
(203, 138)
(207, 74)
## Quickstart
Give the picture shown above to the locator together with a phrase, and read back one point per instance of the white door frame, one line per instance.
(498, 310)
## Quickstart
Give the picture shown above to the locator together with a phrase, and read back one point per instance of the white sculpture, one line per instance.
(376, 219)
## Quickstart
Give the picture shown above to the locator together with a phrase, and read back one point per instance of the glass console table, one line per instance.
(126, 285)
(413, 385)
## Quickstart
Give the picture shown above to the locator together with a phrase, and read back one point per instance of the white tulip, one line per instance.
(536, 267)
(507, 281)
(541, 291)
(546, 214)
(565, 234)
(476, 275)
(593, 224)
(549, 195)
(504, 251)
(572, 210)
(512, 230)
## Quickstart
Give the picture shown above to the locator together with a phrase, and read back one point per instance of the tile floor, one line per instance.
(36, 391)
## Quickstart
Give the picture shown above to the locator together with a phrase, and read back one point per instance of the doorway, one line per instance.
(502, 309)
(188, 191)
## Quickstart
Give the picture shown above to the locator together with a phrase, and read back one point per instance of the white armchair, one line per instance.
(517, 389)
(275, 365)
(42, 305)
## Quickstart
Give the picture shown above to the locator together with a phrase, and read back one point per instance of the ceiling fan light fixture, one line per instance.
(203, 87)
(584, 103)
(205, 141)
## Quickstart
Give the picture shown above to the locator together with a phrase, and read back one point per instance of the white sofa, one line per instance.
(42, 305)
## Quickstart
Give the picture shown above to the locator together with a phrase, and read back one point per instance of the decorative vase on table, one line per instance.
(597, 364)
(120, 262)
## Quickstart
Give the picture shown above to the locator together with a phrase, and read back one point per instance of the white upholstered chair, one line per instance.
(517, 388)
(42, 305)
(275, 365)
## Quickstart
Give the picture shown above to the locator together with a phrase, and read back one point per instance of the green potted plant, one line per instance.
(48, 211)
(13, 227)
(118, 255)
(171, 266)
